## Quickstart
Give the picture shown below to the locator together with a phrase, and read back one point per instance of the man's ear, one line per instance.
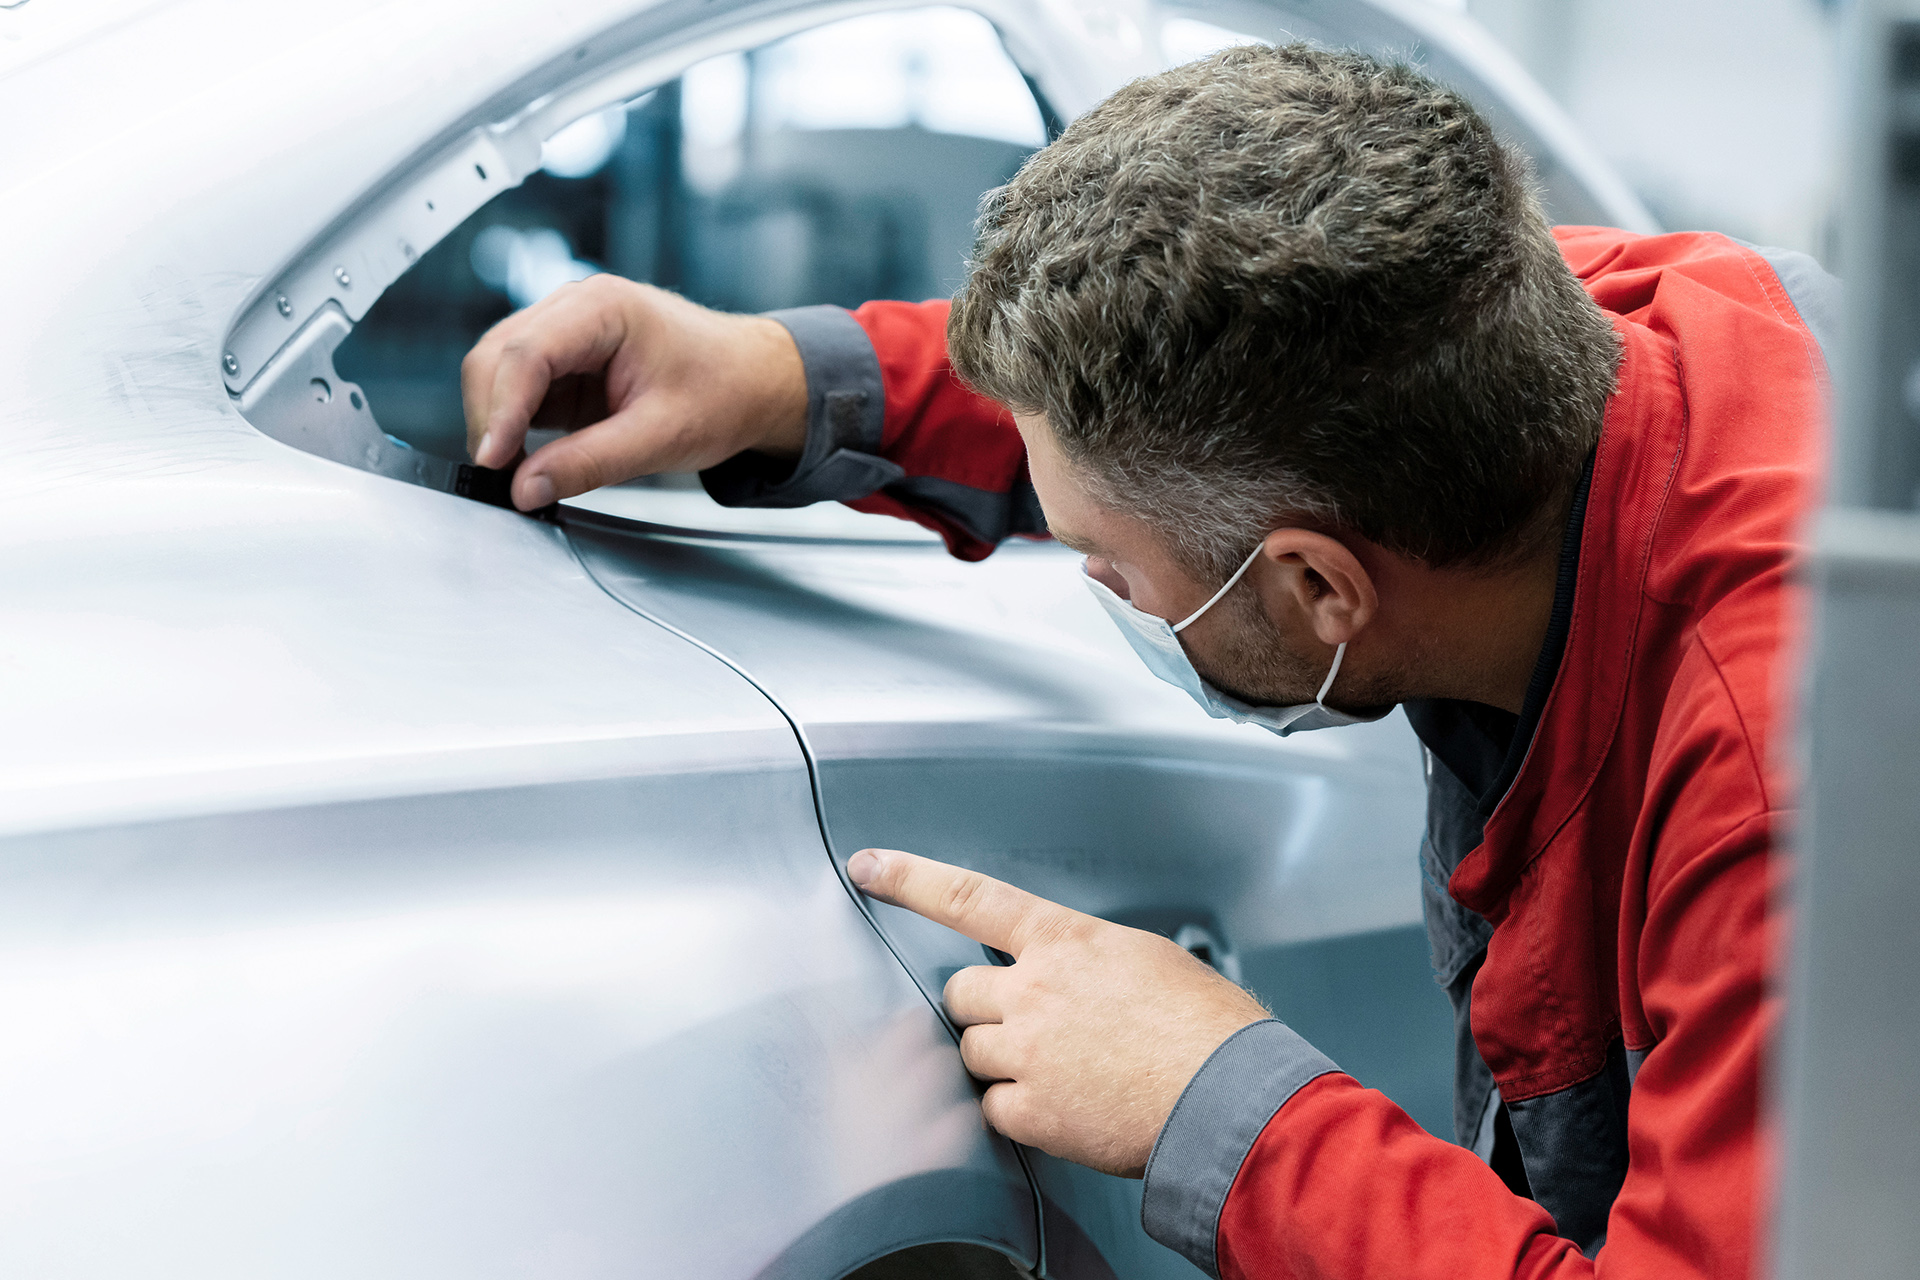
(1322, 579)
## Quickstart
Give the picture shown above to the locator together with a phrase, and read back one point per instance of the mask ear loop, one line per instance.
(1245, 565)
(1339, 653)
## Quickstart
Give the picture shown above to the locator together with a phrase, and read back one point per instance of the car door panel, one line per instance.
(528, 1030)
(378, 897)
(989, 715)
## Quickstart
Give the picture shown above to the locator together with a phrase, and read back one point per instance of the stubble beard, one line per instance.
(1257, 663)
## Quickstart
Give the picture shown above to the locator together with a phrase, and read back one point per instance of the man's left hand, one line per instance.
(1094, 1030)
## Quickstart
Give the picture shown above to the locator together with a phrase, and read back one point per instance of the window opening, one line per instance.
(755, 180)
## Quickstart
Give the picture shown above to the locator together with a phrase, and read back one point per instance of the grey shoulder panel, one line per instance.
(1815, 294)
(846, 410)
(1223, 1111)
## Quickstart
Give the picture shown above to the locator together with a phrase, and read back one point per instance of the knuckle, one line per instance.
(963, 895)
(959, 986)
(1001, 1106)
(1017, 1050)
(1040, 993)
(589, 469)
(1056, 925)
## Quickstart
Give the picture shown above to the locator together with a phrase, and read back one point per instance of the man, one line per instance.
(1293, 357)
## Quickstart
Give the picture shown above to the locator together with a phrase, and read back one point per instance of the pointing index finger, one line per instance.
(987, 910)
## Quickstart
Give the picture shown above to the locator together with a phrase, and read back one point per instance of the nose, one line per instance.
(1103, 572)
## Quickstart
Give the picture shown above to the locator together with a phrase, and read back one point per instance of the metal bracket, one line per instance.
(300, 400)
(352, 266)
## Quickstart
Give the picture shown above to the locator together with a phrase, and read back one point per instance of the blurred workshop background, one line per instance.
(1720, 113)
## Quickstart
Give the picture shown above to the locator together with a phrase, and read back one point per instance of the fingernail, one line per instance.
(862, 867)
(480, 450)
(539, 493)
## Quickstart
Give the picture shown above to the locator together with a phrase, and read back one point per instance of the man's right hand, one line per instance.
(685, 388)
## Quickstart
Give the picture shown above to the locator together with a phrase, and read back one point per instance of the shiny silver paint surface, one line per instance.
(990, 715)
(381, 898)
(383, 889)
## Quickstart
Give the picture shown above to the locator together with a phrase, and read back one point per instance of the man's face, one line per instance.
(1253, 644)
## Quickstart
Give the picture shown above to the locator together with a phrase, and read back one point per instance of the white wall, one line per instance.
(1722, 113)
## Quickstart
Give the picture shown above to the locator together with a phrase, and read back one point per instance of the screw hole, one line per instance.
(354, 396)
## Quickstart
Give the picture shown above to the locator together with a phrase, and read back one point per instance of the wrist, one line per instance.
(779, 409)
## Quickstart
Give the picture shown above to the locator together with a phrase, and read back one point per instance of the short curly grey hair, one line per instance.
(1293, 284)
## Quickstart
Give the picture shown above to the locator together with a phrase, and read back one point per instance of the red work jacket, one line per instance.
(1629, 875)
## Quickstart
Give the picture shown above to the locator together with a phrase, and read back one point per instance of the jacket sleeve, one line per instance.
(1274, 1164)
(891, 430)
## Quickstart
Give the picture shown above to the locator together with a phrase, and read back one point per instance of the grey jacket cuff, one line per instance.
(846, 408)
(1224, 1109)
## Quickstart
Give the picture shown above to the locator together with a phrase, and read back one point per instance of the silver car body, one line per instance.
(392, 885)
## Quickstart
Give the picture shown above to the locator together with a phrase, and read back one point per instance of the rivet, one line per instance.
(280, 301)
(230, 362)
(340, 274)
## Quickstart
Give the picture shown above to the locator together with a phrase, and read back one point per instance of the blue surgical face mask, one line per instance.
(1157, 641)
